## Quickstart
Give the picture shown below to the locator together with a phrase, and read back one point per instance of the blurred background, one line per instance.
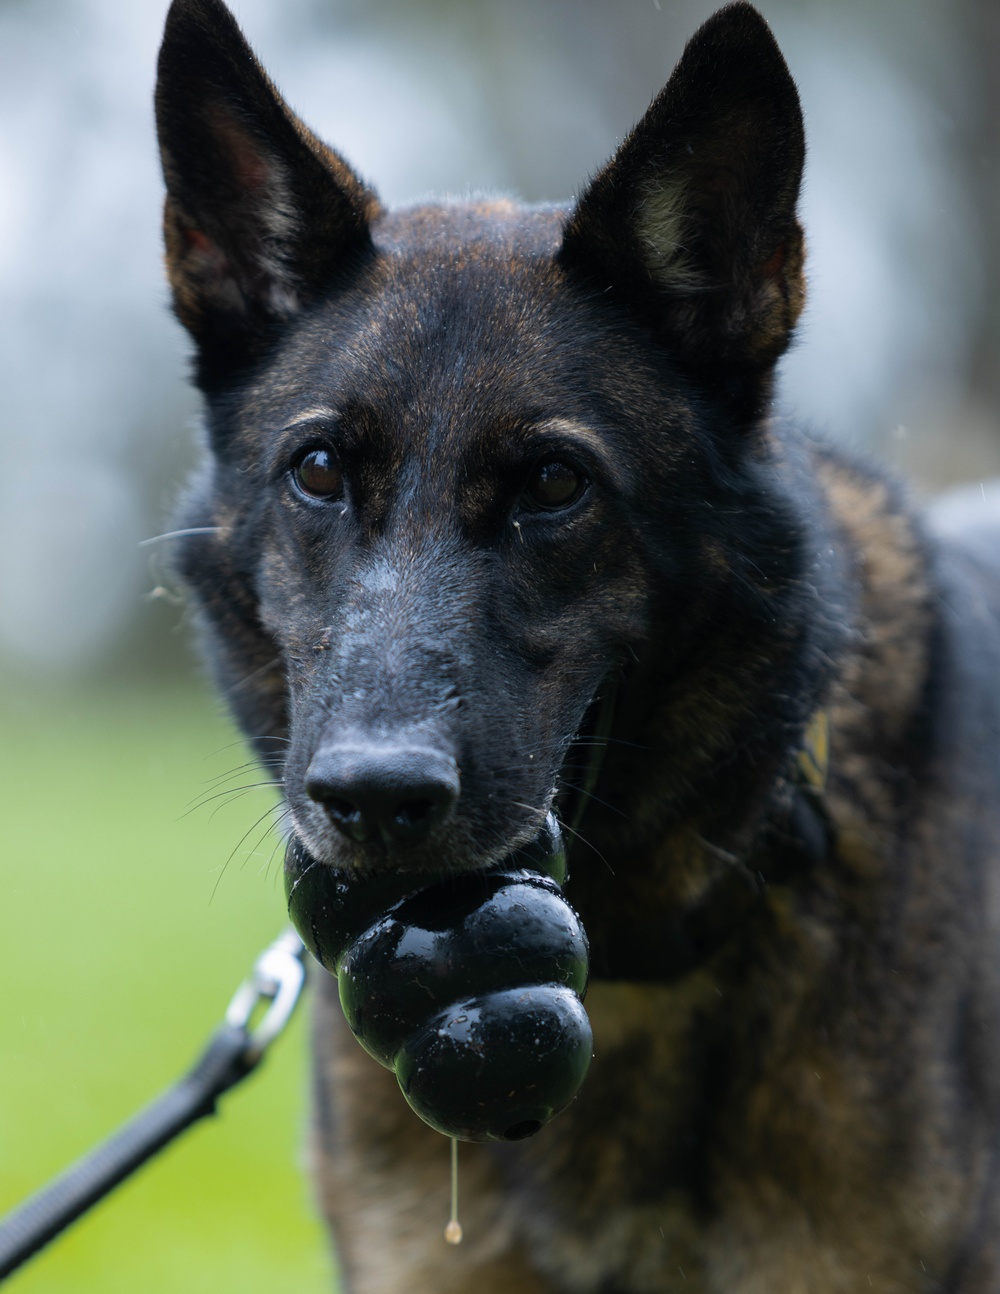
(134, 900)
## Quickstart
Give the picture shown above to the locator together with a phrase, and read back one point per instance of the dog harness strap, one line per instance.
(233, 1052)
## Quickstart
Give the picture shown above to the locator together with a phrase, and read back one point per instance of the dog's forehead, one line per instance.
(460, 350)
(457, 320)
(491, 229)
(465, 289)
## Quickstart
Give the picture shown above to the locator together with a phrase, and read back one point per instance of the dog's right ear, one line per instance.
(692, 224)
(260, 216)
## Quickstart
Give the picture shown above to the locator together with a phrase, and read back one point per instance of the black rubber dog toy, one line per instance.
(468, 986)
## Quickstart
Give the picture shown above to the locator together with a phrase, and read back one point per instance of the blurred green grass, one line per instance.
(123, 933)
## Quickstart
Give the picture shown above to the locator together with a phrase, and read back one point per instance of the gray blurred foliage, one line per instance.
(897, 353)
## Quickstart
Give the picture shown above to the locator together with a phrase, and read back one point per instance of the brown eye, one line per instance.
(318, 475)
(552, 485)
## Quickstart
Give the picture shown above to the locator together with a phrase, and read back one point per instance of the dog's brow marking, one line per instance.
(308, 416)
(578, 430)
(583, 435)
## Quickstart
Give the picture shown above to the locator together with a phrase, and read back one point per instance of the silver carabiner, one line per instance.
(278, 977)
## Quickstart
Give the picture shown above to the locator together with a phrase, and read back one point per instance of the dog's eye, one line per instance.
(553, 484)
(317, 474)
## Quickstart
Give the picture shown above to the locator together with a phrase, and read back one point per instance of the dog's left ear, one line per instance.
(692, 223)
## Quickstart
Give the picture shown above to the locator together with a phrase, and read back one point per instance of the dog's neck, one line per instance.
(664, 882)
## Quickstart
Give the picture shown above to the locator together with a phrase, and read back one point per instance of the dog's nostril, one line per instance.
(394, 794)
(413, 812)
(348, 819)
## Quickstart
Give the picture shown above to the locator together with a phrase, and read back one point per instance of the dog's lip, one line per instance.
(376, 859)
(573, 797)
(540, 848)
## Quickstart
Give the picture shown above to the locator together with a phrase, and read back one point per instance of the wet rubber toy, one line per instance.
(468, 987)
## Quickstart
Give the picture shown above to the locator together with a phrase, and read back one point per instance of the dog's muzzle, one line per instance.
(469, 987)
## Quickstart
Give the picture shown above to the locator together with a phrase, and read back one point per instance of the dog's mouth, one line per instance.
(585, 758)
(460, 844)
(330, 906)
(468, 986)
(467, 981)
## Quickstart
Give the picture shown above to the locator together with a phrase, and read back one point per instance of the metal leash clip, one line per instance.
(278, 977)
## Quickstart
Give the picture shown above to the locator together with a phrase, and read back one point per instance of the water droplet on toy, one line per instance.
(453, 1231)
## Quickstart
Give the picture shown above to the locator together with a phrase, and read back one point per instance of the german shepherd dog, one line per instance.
(481, 473)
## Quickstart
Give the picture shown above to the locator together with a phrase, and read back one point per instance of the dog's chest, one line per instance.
(674, 1172)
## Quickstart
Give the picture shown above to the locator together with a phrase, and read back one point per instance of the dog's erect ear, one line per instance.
(692, 223)
(260, 215)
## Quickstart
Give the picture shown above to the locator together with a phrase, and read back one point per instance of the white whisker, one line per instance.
(177, 534)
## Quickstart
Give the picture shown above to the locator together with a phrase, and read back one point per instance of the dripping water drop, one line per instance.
(453, 1231)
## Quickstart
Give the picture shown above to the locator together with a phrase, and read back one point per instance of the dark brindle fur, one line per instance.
(796, 1081)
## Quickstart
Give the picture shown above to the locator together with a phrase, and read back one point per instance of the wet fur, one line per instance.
(796, 1079)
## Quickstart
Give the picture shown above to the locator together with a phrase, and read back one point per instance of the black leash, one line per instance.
(234, 1051)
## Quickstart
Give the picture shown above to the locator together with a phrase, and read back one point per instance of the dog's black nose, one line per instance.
(395, 794)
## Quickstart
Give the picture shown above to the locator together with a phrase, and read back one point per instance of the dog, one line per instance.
(497, 516)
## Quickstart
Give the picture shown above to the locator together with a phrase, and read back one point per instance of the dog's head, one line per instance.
(468, 460)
